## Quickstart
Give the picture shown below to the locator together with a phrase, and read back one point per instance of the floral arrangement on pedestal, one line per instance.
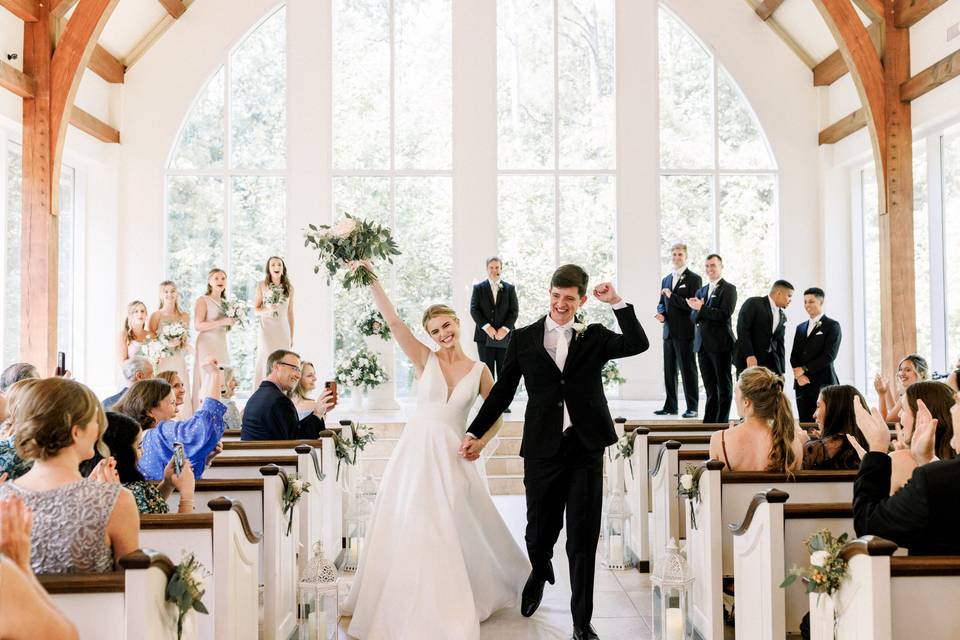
(362, 370)
(293, 490)
(172, 337)
(373, 324)
(185, 588)
(610, 374)
(349, 240)
(274, 295)
(347, 449)
(827, 568)
(236, 309)
(688, 486)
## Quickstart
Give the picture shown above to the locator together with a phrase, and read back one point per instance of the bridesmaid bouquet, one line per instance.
(274, 295)
(352, 239)
(172, 337)
(153, 350)
(236, 310)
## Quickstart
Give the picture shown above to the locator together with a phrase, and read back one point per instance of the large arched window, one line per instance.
(718, 178)
(226, 178)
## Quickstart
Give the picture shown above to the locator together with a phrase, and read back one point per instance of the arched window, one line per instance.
(226, 178)
(718, 177)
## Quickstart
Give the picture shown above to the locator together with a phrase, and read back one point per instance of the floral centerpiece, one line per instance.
(688, 486)
(293, 490)
(361, 370)
(185, 588)
(173, 337)
(611, 374)
(346, 449)
(827, 568)
(350, 240)
(274, 295)
(373, 324)
(236, 309)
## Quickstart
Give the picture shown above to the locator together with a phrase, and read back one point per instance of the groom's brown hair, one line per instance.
(570, 275)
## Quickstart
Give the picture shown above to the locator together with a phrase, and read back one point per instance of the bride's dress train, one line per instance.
(438, 558)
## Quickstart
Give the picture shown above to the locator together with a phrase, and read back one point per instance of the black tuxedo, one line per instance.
(678, 333)
(270, 415)
(563, 469)
(502, 313)
(921, 516)
(816, 355)
(714, 344)
(756, 336)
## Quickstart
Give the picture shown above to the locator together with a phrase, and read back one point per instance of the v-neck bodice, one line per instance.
(433, 391)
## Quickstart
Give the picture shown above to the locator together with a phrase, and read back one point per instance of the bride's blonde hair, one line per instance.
(436, 311)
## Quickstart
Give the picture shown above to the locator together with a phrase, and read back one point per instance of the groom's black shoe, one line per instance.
(585, 633)
(664, 412)
(533, 591)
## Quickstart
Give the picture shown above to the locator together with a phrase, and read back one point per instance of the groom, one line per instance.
(567, 426)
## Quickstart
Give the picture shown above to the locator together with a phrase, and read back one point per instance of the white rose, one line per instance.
(819, 558)
(686, 481)
(297, 485)
(344, 228)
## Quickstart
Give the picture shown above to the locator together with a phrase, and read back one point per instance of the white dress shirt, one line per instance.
(495, 287)
(712, 288)
(677, 275)
(776, 313)
(811, 323)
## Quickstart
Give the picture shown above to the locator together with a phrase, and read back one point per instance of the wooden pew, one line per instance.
(223, 542)
(280, 546)
(767, 543)
(238, 448)
(248, 466)
(246, 491)
(888, 598)
(121, 605)
(724, 497)
(664, 502)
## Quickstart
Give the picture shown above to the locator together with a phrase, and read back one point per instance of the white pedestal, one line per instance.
(382, 398)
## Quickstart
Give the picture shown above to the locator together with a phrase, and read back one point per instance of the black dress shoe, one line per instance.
(532, 595)
(507, 410)
(689, 414)
(664, 412)
(585, 633)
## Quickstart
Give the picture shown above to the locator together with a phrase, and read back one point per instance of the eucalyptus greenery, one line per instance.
(827, 568)
(373, 324)
(293, 490)
(351, 239)
(346, 449)
(185, 588)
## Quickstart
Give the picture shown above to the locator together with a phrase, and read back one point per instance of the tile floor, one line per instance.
(621, 599)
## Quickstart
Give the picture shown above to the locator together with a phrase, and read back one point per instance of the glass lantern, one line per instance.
(357, 522)
(670, 596)
(318, 592)
(616, 533)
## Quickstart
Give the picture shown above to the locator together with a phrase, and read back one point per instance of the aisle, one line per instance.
(621, 603)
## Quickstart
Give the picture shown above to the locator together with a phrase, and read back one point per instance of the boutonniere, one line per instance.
(499, 286)
(817, 326)
(578, 329)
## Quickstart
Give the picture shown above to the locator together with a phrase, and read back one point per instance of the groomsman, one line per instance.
(678, 329)
(760, 329)
(494, 308)
(714, 341)
(815, 347)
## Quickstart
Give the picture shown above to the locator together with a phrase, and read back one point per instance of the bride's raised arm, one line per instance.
(412, 348)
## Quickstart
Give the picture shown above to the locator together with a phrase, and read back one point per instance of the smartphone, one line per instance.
(332, 386)
(61, 363)
(177, 458)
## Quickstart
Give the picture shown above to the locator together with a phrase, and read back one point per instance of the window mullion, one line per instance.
(556, 132)
(936, 253)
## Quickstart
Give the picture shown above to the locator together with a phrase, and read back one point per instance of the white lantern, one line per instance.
(616, 533)
(671, 596)
(319, 610)
(357, 523)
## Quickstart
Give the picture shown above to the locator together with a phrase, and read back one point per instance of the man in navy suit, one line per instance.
(494, 307)
(815, 347)
(271, 415)
(712, 310)
(678, 329)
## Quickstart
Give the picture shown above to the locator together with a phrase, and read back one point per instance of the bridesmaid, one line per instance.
(300, 394)
(211, 326)
(276, 317)
(135, 333)
(171, 313)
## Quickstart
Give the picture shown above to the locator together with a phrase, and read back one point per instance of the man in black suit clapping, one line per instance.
(270, 415)
(674, 312)
(494, 307)
(712, 310)
(760, 329)
(815, 347)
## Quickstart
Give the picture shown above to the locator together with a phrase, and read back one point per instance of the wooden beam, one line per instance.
(94, 126)
(833, 67)
(153, 36)
(26, 10)
(104, 64)
(174, 7)
(788, 40)
(59, 8)
(16, 81)
(873, 9)
(932, 77)
(767, 7)
(843, 127)
(909, 12)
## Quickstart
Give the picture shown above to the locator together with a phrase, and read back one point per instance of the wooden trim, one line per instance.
(26, 10)
(668, 445)
(229, 484)
(105, 64)
(93, 126)
(151, 521)
(752, 477)
(59, 8)
(680, 440)
(689, 455)
(907, 13)
(938, 73)
(818, 510)
(678, 429)
(146, 558)
(226, 504)
(635, 428)
(714, 465)
(54, 583)
(868, 546)
(770, 496)
(785, 36)
(766, 8)
(924, 566)
(305, 449)
(845, 126)
(12, 79)
(873, 9)
(247, 445)
(252, 461)
(829, 70)
(274, 470)
(329, 432)
(232, 433)
(174, 7)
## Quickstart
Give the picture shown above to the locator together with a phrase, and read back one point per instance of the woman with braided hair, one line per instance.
(768, 438)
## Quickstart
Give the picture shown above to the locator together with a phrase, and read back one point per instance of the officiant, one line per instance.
(494, 308)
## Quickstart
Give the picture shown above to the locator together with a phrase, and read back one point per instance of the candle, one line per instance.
(616, 550)
(359, 548)
(674, 624)
(321, 625)
(312, 626)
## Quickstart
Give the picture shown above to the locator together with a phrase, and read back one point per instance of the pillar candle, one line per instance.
(674, 624)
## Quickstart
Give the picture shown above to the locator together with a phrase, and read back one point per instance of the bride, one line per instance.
(438, 558)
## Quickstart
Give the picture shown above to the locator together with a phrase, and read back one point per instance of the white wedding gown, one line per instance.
(438, 558)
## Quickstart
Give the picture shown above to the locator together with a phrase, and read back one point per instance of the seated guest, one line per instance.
(835, 421)
(28, 611)
(11, 463)
(79, 524)
(953, 379)
(232, 416)
(271, 415)
(911, 369)
(926, 400)
(152, 403)
(179, 389)
(921, 516)
(123, 438)
(134, 370)
(15, 373)
(768, 439)
(300, 394)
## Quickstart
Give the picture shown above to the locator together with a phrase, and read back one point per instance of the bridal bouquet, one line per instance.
(236, 310)
(172, 337)
(274, 295)
(373, 324)
(350, 240)
(185, 589)
(362, 369)
(293, 490)
(827, 568)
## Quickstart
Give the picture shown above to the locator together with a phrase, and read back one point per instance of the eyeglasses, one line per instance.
(292, 366)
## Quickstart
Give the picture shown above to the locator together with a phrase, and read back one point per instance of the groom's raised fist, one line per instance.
(605, 292)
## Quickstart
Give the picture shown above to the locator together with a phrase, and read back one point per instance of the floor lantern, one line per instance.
(671, 596)
(319, 598)
(616, 526)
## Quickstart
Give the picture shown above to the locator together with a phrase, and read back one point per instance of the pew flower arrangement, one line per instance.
(827, 568)
(293, 490)
(236, 310)
(625, 449)
(689, 487)
(185, 588)
(361, 370)
(610, 374)
(373, 324)
(346, 449)
(349, 240)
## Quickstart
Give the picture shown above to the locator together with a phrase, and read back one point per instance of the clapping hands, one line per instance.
(924, 435)
(16, 525)
(874, 429)
(106, 471)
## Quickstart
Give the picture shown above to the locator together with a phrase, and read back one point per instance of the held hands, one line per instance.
(695, 303)
(470, 448)
(502, 333)
(605, 292)
(16, 525)
(490, 331)
(366, 264)
(874, 429)
(324, 403)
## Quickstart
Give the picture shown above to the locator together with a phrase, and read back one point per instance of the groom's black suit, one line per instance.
(563, 468)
